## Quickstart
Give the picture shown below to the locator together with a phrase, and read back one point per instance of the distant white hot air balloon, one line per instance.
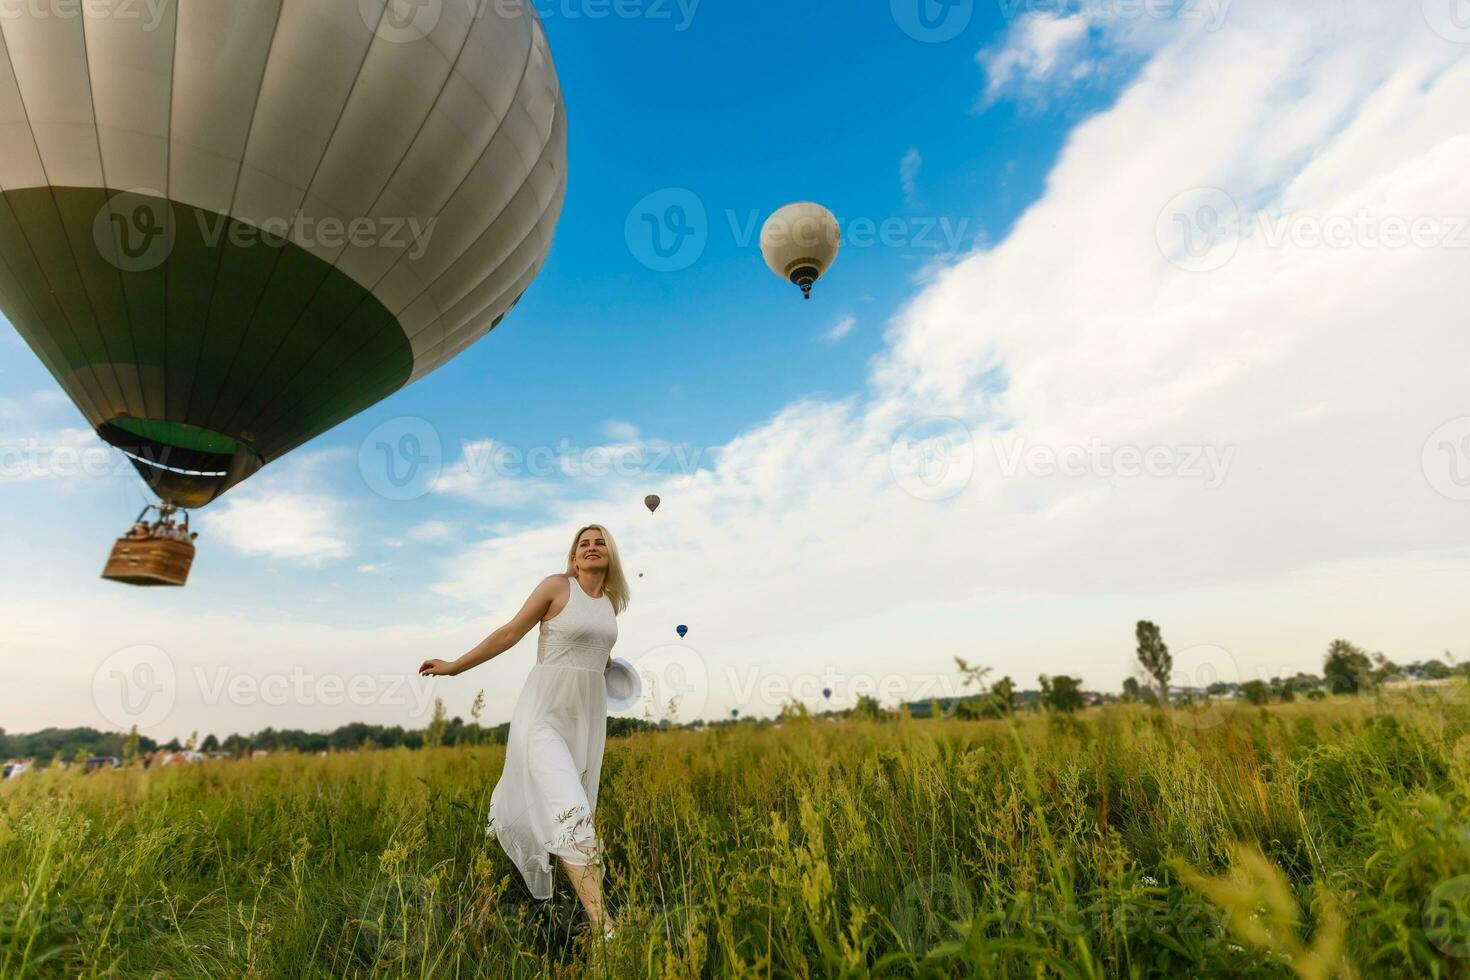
(800, 243)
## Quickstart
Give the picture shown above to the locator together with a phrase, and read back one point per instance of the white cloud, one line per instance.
(620, 431)
(1038, 47)
(431, 531)
(496, 474)
(908, 172)
(286, 524)
(840, 329)
(1315, 373)
(372, 567)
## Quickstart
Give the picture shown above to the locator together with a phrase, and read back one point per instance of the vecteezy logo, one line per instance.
(137, 685)
(1199, 230)
(934, 458)
(1450, 19)
(1447, 917)
(135, 230)
(401, 459)
(675, 683)
(668, 230)
(932, 911)
(401, 21)
(933, 21)
(1446, 459)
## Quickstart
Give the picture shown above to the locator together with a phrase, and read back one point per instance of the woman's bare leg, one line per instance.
(586, 881)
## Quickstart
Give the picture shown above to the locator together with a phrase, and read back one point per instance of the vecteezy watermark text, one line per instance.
(409, 21)
(1211, 464)
(670, 229)
(1211, 14)
(403, 459)
(136, 231)
(1203, 229)
(150, 12)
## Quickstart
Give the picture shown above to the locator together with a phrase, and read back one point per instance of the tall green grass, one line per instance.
(1322, 839)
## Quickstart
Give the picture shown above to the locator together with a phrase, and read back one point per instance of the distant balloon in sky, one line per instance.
(827, 693)
(800, 243)
(734, 712)
(651, 502)
(681, 630)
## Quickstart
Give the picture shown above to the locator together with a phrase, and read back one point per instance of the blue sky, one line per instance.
(746, 109)
(1303, 483)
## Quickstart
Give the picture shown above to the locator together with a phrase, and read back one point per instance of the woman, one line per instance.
(547, 792)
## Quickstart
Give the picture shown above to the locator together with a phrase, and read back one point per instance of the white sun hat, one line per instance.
(624, 686)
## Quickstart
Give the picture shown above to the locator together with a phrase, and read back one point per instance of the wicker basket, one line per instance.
(150, 561)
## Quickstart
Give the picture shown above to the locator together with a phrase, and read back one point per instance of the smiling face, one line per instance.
(592, 550)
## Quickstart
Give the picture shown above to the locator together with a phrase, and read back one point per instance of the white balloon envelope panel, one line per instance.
(800, 243)
(230, 225)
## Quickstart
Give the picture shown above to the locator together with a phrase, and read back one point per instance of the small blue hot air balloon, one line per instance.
(827, 693)
(681, 630)
(734, 712)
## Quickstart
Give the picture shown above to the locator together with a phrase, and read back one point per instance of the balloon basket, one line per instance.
(157, 561)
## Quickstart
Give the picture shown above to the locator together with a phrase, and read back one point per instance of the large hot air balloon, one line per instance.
(800, 243)
(229, 227)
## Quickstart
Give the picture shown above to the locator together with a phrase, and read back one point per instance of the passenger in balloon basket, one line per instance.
(542, 808)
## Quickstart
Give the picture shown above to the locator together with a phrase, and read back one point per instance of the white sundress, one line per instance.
(547, 793)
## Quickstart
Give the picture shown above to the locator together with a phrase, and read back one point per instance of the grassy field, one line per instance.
(1311, 839)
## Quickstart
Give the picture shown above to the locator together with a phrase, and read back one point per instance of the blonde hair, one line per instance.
(614, 586)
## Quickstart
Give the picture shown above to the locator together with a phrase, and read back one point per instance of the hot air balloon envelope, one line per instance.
(232, 227)
(651, 502)
(681, 630)
(800, 242)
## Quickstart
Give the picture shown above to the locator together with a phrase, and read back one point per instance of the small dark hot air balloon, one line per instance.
(651, 502)
(734, 712)
(827, 693)
(681, 630)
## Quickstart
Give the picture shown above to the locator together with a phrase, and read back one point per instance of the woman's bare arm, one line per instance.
(503, 639)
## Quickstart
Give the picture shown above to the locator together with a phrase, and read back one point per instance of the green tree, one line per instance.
(1002, 698)
(1061, 693)
(972, 675)
(794, 710)
(1131, 690)
(1154, 656)
(130, 747)
(476, 709)
(869, 708)
(1435, 670)
(1347, 668)
(1256, 692)
(438, 725)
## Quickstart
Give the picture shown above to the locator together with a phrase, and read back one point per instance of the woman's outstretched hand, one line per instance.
(436, 668)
